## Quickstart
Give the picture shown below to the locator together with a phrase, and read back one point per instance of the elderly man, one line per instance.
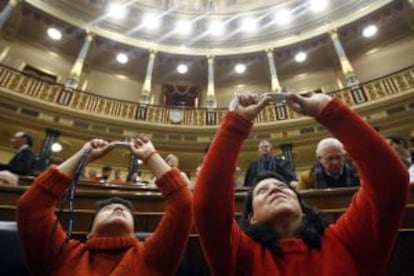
(267, 162)
(331, 170)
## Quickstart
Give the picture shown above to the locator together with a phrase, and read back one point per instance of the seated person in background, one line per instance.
(267, 162)
(23, 162)
(106, 174)
(9, 179)
(238, 178)
(118, 179)
(134, 178)
(278, 233)
(92, 176)
(111, 247)
(173, 161)
(399, 144)
(331, 170)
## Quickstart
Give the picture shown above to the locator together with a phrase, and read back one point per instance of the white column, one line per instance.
(72, 81)
(348, 71)
(211, 95)
(7, 12)
(146, 88)
(272, 68)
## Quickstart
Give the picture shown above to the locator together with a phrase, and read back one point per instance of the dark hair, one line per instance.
(397, 139)
(311, 230)
(107, 168)
(29, 138)
(112, 200)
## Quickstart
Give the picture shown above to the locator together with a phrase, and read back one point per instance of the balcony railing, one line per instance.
(55, 93)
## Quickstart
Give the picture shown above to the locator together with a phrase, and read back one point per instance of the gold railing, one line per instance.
(17, 82)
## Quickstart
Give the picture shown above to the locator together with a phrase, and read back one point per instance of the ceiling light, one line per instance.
(216, 28)
(240, 68)
(182, 68)
(183, 27)
(54, 34)
(318, 5)
(369, 31)
(283, 17)
(117, 10)
(122, 58)
(300, 57)
(56, 147)
(151, 21)
(248, 24)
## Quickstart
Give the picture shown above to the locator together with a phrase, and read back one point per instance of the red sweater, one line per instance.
(159, 254)
(359, 243)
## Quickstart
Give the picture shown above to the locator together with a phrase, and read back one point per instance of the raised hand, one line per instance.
(249, 105)
(141, 147)
(311, 104)
(99, 148)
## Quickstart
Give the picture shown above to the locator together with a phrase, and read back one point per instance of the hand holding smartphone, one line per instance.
(279, 95)
(121, 144)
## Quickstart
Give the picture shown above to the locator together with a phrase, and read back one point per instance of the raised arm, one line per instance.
(370, 225)
(36, 213)
(165, 248)
(214, 192)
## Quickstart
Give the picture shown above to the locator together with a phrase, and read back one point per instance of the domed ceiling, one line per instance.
(202, 27)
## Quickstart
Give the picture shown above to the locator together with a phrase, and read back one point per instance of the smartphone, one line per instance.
(279, 98)
(121, 144)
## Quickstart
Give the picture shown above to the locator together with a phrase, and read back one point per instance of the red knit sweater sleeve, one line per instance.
(165, 248)
(35, 220)
(370, 225)
(214, 196)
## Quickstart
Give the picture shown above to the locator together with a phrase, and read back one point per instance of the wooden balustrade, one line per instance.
(17, 82)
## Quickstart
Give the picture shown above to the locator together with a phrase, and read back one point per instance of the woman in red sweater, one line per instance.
(278, 234)
(111, 247)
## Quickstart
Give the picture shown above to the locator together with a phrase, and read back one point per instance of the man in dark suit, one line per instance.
(24, 160)
(267, 162)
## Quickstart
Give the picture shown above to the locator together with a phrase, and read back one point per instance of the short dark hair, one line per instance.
(106, 168)
(311, 230)
(399, 140)
(29, 138)
(112, 200)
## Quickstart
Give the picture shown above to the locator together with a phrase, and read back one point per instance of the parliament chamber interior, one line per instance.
(75, 70)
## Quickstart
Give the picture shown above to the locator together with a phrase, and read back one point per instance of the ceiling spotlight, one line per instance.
(122, 58)
(370, 31)
(54, 34)
(318, 5)
(151, 21)
(182, 68)
(240, 68)
(117, 10)
(283, 17)
(183, 27)
(56, 147)
(248, 24)
(300, 57)
(216, 28)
